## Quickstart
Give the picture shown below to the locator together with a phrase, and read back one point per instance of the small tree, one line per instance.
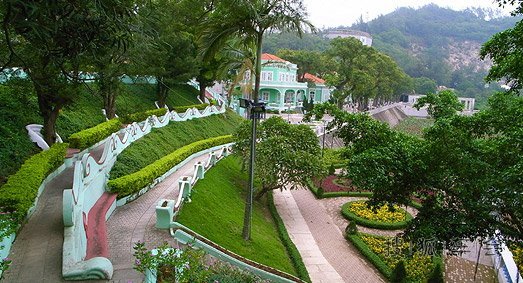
(287, 155)
(441, 105)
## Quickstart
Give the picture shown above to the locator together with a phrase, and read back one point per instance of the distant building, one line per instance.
(365, 38)
(468, 103)
(279, 86)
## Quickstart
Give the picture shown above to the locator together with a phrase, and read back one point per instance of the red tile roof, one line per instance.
(313, 78)
(270, 57)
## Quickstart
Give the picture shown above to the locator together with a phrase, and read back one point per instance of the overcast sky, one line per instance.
(333, 13)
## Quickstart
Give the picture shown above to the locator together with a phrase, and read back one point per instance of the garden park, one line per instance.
(141, 170)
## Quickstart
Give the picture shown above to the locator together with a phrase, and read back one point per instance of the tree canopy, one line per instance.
(287, 155)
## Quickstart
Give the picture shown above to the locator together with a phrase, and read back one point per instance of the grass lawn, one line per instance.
(414, 126)
(216, 212)
(163, 141)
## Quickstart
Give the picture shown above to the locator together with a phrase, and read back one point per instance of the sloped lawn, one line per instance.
(216, 212)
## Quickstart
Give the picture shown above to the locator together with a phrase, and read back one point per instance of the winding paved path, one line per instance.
(326, 253)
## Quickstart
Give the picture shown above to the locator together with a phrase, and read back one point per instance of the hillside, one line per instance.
(429, 42)
(19, 107)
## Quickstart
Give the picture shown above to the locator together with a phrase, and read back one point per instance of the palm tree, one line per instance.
(248, 20)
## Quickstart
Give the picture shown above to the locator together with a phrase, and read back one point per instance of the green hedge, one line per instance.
(289, 245)
(141, 116)
(21, 189)
(91, 136)
(370, 255)
(320, 195)
(132, 183)
(182, 109)
(374, 224)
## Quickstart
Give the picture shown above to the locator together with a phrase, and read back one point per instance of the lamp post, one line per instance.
(255, 111)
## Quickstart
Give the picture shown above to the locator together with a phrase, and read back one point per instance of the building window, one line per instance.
(265, 96)
(282, 77)
(247, 76)
(266, 76)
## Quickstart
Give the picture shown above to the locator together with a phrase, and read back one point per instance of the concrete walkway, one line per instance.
(37, 251)
(135, 222)
(327, 255)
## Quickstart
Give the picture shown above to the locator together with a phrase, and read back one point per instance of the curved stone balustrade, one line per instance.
(91, 174)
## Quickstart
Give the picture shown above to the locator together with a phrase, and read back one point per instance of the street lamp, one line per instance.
(255, 111)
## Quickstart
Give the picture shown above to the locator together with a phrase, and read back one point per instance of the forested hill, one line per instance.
(420, 39)
(430, 42)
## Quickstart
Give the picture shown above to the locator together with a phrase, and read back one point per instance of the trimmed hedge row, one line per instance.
(289, 245)
(182, 109)
(370, 255)
(374, 224)
(21, 189)
(320, 194)
(141, 116)
(132, 183)
(86, 138)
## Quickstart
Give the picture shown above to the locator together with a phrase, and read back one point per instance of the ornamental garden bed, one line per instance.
(421, 262)
(379, 218)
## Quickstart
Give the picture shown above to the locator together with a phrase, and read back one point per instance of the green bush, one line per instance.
(319, 193)
(374, 224)
(182, 109)
(382, 267)
(91, 136)
(436, 276)
(289, 245)
(141, 116)
(399, 274)
(132, 183)
(21, 189)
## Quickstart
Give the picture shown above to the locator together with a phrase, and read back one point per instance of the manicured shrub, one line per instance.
(332, 170)
(399, 274)
(387, 221)
(351, 228)
(132, 183)
(436, 276)
(141, 116)
(289, 245)
(182, 109)
(91, 136)
(21, 189)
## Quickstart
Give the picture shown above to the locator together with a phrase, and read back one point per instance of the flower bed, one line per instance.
(383, 218)
(334, 183)
(386, 252)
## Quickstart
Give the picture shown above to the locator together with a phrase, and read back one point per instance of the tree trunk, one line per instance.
(203, 87)
(108, 90)
(161, 92)
(48, 103)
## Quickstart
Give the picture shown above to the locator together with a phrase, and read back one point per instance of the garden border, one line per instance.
(374, 224)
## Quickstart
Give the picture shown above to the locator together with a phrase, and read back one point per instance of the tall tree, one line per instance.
(167, 48)
(47, 38)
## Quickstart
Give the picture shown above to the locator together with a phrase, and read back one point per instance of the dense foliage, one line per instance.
(91, 136)
(467, 167)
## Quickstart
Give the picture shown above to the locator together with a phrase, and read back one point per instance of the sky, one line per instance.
(333, 13)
